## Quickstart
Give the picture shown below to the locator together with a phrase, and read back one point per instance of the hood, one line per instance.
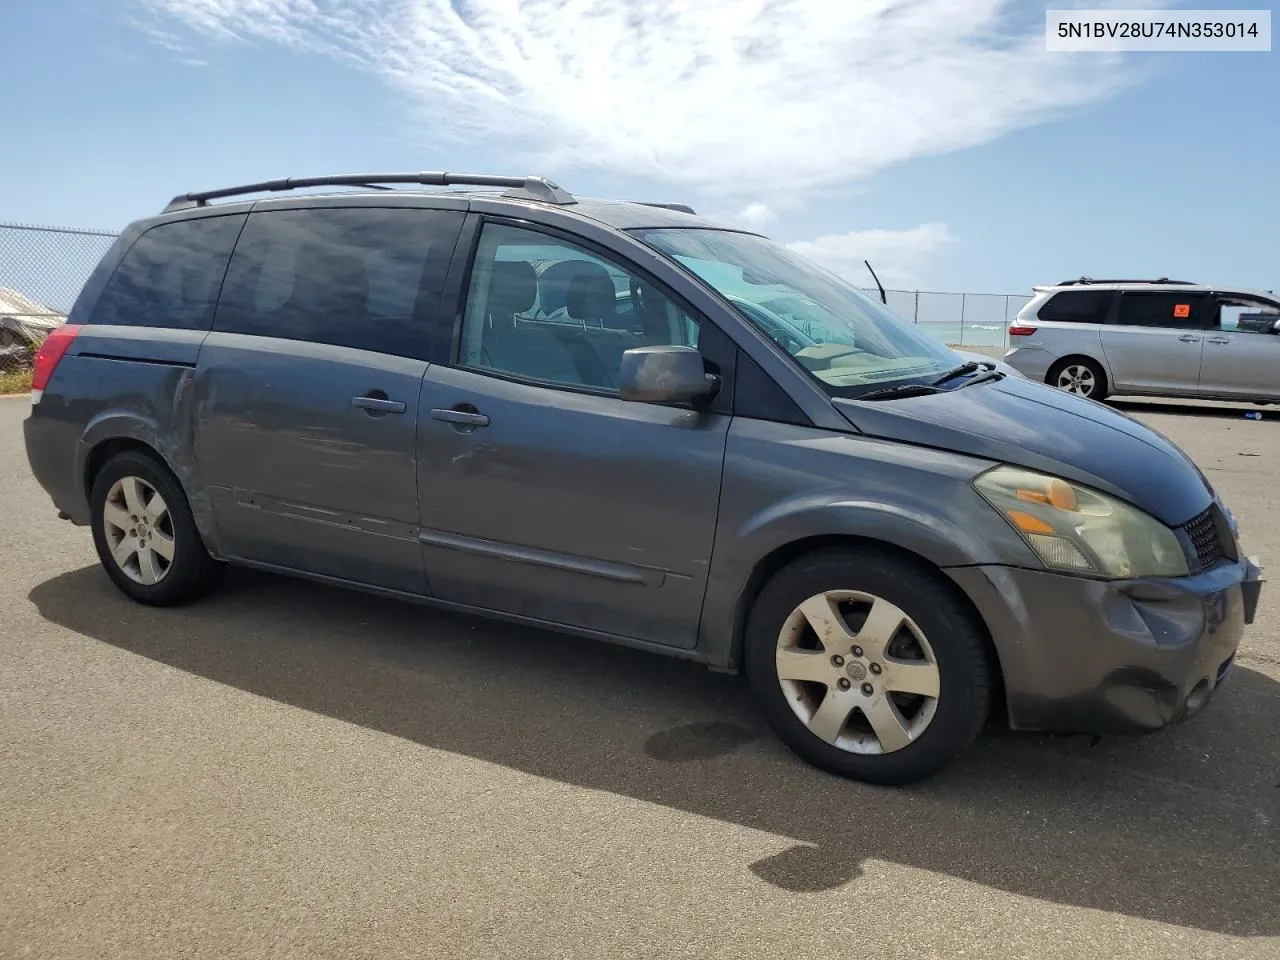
(1032, 425)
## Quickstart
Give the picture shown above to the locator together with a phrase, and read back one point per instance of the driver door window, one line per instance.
(1238, 315)
(543, 309)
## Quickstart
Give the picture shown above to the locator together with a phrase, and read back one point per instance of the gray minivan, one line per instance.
(621, 420)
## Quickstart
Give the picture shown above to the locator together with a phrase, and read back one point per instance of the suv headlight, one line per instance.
(1079, 530)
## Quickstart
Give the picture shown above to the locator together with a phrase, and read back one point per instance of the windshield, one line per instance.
(846, 340)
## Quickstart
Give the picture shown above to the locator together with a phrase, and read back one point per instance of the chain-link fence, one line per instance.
(43, 268)
(41, 272)
(964, 319)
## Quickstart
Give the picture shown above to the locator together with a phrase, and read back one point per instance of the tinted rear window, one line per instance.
(362, 277)
(1178, 310)
(170, 276)
(1077, 306)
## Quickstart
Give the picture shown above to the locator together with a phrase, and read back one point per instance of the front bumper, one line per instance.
(1089, 656)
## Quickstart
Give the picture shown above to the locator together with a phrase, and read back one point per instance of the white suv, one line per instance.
(1152, 337)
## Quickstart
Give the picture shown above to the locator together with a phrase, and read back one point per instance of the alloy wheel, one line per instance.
(1078, 379)
(139, 530)
(858, 672)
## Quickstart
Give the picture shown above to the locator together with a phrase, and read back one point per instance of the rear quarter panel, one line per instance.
(117, 383)
(1054, 340)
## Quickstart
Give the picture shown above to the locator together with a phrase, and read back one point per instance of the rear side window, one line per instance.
(362, 277)
(170, 276)
(1176, 310)
(1077, 306)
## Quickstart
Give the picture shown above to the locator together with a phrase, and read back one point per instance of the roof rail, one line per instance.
(1084, 281)
(520, 188)
(682, 207)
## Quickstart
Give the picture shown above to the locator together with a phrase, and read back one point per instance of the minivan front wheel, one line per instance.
(867, 665)
(144, 532)
(1079, 376)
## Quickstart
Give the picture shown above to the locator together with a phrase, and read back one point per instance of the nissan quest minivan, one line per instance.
(623, 421)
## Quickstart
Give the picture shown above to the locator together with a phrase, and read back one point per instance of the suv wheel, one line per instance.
(867, 665)
(1079, 376)
(144, 532)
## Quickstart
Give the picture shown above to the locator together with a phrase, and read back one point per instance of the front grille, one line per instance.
(1206, 538)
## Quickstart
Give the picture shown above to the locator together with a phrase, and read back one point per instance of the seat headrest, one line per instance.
(512, 287)
(592, 296)
(553, 284)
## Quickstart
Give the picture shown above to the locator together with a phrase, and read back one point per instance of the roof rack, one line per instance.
(682, 207)
(1084, 281)
(520, 188)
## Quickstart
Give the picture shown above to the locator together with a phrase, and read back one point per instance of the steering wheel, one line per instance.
(773, 326)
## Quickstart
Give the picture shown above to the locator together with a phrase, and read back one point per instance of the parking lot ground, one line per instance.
(289, 770)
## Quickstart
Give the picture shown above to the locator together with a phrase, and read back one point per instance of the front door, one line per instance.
(1153, 341)
(308, 388)
(543, 494)
(1241, 353)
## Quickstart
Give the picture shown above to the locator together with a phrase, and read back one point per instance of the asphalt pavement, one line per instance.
(291, 770)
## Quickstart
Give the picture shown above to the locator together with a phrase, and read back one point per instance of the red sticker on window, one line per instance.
(1182, 309)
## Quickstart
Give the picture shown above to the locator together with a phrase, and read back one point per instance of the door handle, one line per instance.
(466, 418)
(376, 404)
(1187, 338)
(1218, 340)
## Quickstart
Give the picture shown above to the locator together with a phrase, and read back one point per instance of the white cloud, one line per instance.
(755, 214)
(896, 255)
(737, 97)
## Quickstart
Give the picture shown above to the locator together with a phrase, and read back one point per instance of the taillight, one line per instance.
(1021, 331)
(51, 351)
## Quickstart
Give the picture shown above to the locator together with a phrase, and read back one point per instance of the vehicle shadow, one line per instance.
(1180, 827)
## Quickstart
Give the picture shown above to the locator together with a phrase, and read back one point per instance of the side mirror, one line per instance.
(665, 375)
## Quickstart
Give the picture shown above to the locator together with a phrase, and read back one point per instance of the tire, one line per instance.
(1089, 379)
(128, 526)
(926, 733)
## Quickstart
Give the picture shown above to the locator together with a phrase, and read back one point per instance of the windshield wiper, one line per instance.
(987, 376)
(901, 390)
(959, 371)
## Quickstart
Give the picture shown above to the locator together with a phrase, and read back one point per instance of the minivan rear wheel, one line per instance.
(144, 532)
(867, 665)
(1077, 375)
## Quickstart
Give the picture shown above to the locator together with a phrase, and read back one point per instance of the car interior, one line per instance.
(564, 322)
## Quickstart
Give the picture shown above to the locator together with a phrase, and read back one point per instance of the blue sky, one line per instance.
(934, 136)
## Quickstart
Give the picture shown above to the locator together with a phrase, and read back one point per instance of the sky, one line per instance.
(937, 138)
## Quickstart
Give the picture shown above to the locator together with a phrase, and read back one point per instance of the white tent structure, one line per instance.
(23, 320)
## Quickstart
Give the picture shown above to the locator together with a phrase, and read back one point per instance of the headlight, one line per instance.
(1079, 530)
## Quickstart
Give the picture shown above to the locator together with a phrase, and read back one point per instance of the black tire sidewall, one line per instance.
(956, 639)
(191, 567)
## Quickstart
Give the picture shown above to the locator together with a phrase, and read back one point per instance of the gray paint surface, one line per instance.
(629, 488)
(640, 523)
